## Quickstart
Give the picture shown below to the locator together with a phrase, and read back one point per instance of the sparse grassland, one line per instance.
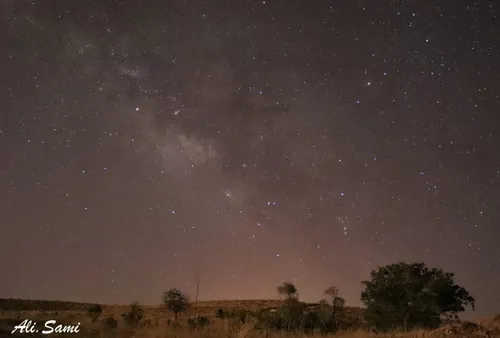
(401, 299)
(238, 319)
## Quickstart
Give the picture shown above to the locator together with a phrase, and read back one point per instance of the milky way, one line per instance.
(250, 142)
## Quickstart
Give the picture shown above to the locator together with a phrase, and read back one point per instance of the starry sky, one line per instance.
(248, 142)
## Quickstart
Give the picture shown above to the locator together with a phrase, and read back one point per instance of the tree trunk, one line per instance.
(197, 278)
(196, 298)
(333, 314)
(175, 315)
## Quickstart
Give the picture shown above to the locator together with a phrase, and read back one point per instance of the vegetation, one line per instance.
(405, 296)
(337, 306)
(40, 305)
(134, 316)
(287, 289)
(198, 322)
(175, 301)
(397, 297)
(296, 316)
(220, 313)
(110, 322)
(94, 312)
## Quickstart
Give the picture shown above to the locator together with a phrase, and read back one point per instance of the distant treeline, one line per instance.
(41, 305)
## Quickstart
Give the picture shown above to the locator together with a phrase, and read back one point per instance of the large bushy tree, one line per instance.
(406, 295)
(175, 301)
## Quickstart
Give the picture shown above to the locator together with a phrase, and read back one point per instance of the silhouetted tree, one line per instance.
(287, 289)
(409, 295)
(175, 301)
(292, 311)
(337, 304)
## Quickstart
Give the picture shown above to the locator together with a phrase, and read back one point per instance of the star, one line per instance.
(337, 136)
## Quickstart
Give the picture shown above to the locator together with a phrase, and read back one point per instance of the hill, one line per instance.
(11, 304)
(203, 307)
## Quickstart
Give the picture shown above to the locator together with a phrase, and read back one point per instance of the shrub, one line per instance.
(469, 326)
(220, 313)
(94, 312)
(289, 317)
(134, 315)
(111, 323)
(243, 315)
(198, 322)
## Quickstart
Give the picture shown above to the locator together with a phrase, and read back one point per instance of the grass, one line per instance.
(158, 322)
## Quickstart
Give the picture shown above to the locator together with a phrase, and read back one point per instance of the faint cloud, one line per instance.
(196, 150)
(135, 72)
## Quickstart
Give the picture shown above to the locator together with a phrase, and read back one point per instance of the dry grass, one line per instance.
(159, 323)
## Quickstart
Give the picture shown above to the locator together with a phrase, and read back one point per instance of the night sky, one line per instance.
(250, 142)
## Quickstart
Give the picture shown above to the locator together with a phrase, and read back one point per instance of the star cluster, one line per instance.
(250, 142)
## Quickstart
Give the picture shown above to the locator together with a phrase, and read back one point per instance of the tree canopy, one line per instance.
(405, 296)
(175, 301)
(287, 289)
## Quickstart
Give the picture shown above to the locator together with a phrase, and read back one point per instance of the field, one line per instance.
(159, 322)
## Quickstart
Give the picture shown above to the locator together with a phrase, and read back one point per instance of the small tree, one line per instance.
(94, 312)
(291, 312)
(287, 289)
(175, 301)
(337, 304)
(134, 315)
(408, 295)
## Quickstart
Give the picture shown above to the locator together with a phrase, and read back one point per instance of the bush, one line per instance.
(292, 316)
(241, 315)
(469, 326)
(295, 316)
(313, 322)
(198, 322)
(268, 321)
(94, 312)
(134, 316)
(220, 313)
(111, 323)
(348, 323)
